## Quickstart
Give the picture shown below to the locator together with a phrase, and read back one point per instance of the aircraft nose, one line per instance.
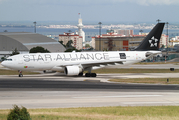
(3, 63)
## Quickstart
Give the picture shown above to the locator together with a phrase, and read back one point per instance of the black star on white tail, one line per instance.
(153, 42)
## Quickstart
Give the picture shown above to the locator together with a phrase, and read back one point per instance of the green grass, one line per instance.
(104, 113)
(101, 71)
(116, 70)
(148, 80)
(13, 72)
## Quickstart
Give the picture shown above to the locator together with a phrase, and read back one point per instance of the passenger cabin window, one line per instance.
(8, 60)
(122, 55)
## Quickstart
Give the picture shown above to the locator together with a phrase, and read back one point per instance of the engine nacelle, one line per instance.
(73, 70)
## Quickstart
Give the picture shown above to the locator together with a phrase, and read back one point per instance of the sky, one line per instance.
(105, 11)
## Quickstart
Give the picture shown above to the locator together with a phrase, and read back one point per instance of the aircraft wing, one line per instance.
(92, 63)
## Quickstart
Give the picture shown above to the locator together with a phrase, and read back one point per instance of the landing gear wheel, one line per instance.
(90, 75)
(80, 74)
(20, 75)
(87, 74)
(93, 74)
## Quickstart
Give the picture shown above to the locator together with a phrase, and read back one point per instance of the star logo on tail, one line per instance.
(153, 42)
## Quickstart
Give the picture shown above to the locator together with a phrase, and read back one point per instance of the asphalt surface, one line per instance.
(65, 93)
(54, 91)
(49, 85)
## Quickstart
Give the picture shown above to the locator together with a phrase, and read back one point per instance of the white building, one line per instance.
(174, 41)
(77, 40)
(78, 37)
(164, 40)
(80, 31)
(93, 42)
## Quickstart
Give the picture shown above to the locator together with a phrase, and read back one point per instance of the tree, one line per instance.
(87, 46)
(163, 46)
(91, 48)
(18, 114)
(3, 58)
(61, 42)
(69, 44)
(15, 52)
(39, 49)
(72, 49)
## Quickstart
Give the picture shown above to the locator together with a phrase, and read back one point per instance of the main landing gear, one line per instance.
(20, 73)
(80, 74)
(88, 74)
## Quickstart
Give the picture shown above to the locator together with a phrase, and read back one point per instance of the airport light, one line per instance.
(141, 31)
(167, 39)
(158, 20)
(99, 35)
(167, 31)
(35, 26)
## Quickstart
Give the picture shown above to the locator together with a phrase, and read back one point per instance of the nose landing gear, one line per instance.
(20, 73)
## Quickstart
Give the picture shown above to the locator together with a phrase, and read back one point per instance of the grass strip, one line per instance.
(103, 113)
(116, 70)
(13, 72)
(148, 80)
(101, 71)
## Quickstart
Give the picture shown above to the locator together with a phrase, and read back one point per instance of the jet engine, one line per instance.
(73, 70)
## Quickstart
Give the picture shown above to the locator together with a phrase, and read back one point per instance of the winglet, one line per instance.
(152, 40)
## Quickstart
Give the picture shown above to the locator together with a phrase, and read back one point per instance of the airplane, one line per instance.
(75, 63)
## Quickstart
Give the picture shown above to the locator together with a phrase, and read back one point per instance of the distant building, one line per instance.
(121, 32)
(163, 40)
(113, 41)
(77, 40)
(141, 33)
(117, 43)
(174, 41)
(78, 37)
(24, 41)
(93, 42)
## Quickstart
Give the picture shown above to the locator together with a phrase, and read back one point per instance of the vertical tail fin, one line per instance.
(152, 40)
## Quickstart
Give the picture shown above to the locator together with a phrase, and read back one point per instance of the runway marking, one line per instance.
(126, 96)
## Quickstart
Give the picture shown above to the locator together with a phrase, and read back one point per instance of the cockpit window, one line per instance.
(7, 59)
(122, 55)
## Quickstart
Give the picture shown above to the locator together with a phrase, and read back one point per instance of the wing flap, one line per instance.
(93, 63)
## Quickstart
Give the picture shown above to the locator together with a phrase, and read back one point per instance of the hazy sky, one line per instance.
(91, 10)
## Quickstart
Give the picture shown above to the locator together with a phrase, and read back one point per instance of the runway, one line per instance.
(69, 99)
(54, 91)
(63, 85)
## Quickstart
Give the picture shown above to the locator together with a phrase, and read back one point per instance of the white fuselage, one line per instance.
(57, 61)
